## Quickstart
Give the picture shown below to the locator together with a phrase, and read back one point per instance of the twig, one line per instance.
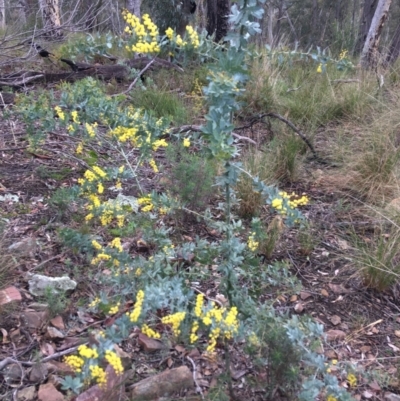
(23, 82)
(206, 297)
(137, 78)
(11, 149)
(198, 388)
(10, 360)
(198, 128)
(344, 81)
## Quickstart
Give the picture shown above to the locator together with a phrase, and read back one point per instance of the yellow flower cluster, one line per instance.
(135, 314)
(90, 129)
(170, 33)
(252, 243)
(146, 203)
(186, 142)
(193, 332)
(343, 54)
(293, 201)
(87, 352)
(319, 69)
(100, 257)
(331, 398)
(98, 374)
(74, 116)
(145, 31)
(115, 361)
(352, 380)
(149, 332)
(159, 143)
(75, 362)
(114, 309)
(198, 309)
(153, 165)
(224, 322)
(94, 303)
(124, 134)
(60, 113)
(79, 148)
(116, 243)
(193, 36)
(175, 321)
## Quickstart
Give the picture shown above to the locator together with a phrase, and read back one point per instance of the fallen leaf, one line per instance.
(367, 394)
(397, 333)
(333, 334)
(324, 293)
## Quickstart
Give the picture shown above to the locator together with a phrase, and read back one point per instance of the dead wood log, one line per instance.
(163, 385)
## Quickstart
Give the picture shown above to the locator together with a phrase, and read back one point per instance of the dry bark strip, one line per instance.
(162, 385)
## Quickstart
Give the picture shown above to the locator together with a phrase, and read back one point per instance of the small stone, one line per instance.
(298, 308)
(38, 373)
(39, 284)
(47, 392)
(25, 247)
(13, 373)
(392, 397)
(10, 294)
(304, 295)
(58, 323)
(54, 333)
(149, 344)
(33, 320)
(335, 320)
(332, 335)
(27, 394)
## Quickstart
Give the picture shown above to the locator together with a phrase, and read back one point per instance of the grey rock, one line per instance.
(392, 397)
(25, 247)
(27, 394)
(38, 284)
(38, 373)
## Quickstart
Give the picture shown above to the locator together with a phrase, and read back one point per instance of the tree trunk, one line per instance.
(217, 18)
(51, 17)
(365, 23)
(270, 27)
(369, 55)
(2, 14)
(134, 7)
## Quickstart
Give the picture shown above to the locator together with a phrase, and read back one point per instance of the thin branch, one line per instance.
(56, 355)
(23, 82)
(198, 388)
(137, 78)
(287, 122)
(198, 128)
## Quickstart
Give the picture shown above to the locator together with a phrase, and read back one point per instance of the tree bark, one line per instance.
(217, 18)
(50, 10)
(134, 7)
(2, 14)
(369, 55)
(365, 23)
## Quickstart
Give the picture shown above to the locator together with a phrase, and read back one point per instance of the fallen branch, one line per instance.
(287, 122)
(24, 81)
